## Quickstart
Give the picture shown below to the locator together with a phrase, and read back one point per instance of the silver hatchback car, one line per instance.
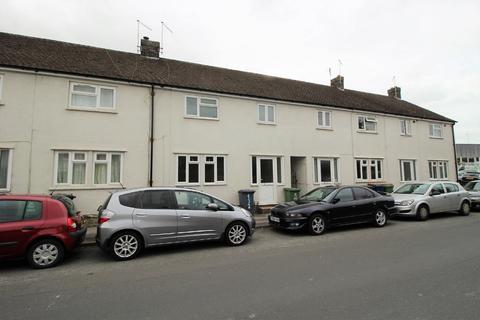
(131, 220)
(421, 199)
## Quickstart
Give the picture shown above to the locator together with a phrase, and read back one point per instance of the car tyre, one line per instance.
(423, 213)
(380, 218)
(126, 245)
(236, 234)
(45, 253)
(316, 225)
(465, 209)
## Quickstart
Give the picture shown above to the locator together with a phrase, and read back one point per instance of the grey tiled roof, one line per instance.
(30, 53)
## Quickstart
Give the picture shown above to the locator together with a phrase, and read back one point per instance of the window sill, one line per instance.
(443, 179)
(182, 184)
(325, 128)
(326, 183)
(406, 135)
(267, 123)
(99, 110)
(438, 138)
(367, 132)
(2, 104)
(215, 184)
(89, 187)
(4, 191)
(201, 118)
(370, 181)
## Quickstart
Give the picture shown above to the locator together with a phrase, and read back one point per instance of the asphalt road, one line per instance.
(407, 270)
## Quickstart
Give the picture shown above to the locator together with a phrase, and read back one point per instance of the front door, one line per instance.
(266, 166)
(195, 221)
(156, 216)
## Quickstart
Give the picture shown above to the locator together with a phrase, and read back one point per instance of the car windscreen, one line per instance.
(317, 194)
(472, 186)
(413, 188)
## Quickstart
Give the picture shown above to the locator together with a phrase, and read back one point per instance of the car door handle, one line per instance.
(184, 216)
(27, 228)
(141, 214)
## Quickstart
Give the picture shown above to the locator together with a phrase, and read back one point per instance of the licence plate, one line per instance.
(274, 219)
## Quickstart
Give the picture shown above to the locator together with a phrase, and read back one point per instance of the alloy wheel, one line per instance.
(318, 225)
(237, 234)
(125, 246)
(380, 218)
(465, 208)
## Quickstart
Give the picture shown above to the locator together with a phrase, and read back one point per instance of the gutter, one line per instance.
(151, 139)
(455, 152)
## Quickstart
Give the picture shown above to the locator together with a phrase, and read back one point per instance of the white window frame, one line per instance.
(215, 169)
(324, 125)
(90, 160)
(197, 116)
(368, 163)
(266, 106)
(108, 161)
(2, 77)
(97, 94)
(71, 155)
(432, 127)
(413, 168)
(201, 161)
(317, 176)
(407, 125)
(275, 169)
(434, 166)
(9, 171)
(366, 119)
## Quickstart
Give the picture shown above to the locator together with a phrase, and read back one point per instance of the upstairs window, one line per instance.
(91, 96)
(367, 124)
(436, 130)
(369, 169)
(438, 170)
(324, 119)
(203, 108)
(266, 114)
(405, 127)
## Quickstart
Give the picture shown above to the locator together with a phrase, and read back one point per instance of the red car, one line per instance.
(40, 227)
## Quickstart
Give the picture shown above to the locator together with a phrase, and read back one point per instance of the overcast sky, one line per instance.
(431, 47)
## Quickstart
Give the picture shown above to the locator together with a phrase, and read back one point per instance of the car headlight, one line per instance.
(406, 202)
(293, 215)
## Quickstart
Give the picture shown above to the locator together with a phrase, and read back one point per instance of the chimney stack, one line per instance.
(394, 92)
(149, 48)
(337, 82)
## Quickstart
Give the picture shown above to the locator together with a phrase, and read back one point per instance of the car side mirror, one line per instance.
(335, 200)
(434, 193)
(212, 206)
(100, 207)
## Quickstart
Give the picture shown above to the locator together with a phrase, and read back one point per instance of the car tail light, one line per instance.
(71, 225)
(104, 216)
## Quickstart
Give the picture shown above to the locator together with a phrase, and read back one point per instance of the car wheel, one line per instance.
(380, 219)
(316, 225)
(126, 246)
(45, 254)
(465, 208)
(236, 234)
(423, 213)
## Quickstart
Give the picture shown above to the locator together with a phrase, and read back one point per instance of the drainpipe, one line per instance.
(152, 121)
(455, 153)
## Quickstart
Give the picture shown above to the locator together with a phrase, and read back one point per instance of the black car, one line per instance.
(327, 206)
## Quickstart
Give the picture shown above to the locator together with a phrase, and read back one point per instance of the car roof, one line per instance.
(24, 196)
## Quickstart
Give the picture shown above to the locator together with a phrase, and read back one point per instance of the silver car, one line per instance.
(473, 188)
(131, 220)
(421, 199)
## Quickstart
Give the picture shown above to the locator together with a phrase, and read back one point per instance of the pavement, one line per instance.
(406, 270)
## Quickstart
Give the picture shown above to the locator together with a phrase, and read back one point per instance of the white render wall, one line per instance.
(35, 121)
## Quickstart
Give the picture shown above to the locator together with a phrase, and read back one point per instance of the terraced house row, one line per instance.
(88, 120)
